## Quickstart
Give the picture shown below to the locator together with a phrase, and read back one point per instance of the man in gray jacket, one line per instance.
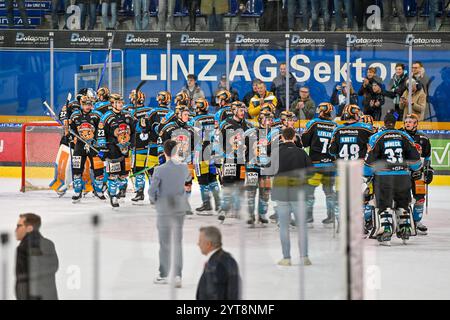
(167, 191)
(278, 88)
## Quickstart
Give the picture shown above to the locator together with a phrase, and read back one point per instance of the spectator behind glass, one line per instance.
(85, 7)
(366, 87)
(165, 15)
(278, 87)
(222, 85)
(339, 97)
(262, 96)
(9, 4)
(348, 4)
(388, 8)
(303, 107)
(249, 95)
(192, 89)
(374, 101)
(55, 8)
(441, 96)
(418, 73)
(397, 85)
(418, 102)
(142, 15)
(214, 10)
(111, 6)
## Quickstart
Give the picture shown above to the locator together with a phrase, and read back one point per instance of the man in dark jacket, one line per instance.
(279, 88)
(37, 261)
(291, 176)
(220, 279)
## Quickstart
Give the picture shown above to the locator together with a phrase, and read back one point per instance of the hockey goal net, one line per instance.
(40, 144)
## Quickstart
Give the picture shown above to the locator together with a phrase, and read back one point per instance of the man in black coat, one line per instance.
(37, 261)
(220, 279)
(293, 163)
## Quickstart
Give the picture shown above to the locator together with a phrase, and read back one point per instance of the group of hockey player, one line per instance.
(229, 154)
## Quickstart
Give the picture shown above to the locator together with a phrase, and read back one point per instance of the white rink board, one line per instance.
(129, 251)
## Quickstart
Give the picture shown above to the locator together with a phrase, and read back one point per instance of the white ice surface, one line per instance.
(129, 252)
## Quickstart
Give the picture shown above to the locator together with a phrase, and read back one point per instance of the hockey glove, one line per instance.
(416, 175)
(428, 173)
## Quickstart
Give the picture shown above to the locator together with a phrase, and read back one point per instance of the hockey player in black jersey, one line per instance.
(257, 154)
(85, 123)
(425, 175)
(391, 156)
(231, 147)
(317, 137)
(349, 142)
(115, 139)
(223, 111)
(103, 104)
(204, 167)
(139, 152)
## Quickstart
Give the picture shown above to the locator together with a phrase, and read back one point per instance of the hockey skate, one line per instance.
(122, 193)
(114, 201)
(262, 220)
(368, 225)
(205, 209)
(99, 195)
(385, 238)
(404, 233)
(327, 222)
(139, 198)
(251, 221)
(221, 216)
(421, 229)
(77, 197)
(273, 218)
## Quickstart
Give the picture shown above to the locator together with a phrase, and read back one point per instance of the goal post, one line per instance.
(40, 143)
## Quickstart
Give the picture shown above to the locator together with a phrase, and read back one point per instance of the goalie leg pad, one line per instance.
(383, 223)
(405, 222)
(62, 169)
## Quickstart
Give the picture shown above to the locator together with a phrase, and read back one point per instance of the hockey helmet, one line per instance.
(201, 105)
(137, 97)
(182, 98)
(164, 98)
(223, 95)
(351, 111)
(367, 119)
(325, 109)
(103, 93)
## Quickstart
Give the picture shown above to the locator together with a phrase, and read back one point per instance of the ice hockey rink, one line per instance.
(128, 259)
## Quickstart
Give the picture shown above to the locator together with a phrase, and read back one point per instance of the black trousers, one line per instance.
(392, 188)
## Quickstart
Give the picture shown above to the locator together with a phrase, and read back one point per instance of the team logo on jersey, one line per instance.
(235, 141)
(86, 131)
(182, 146)
(122, 134)
(419, 148)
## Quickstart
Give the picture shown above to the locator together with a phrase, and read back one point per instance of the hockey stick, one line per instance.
(53, 115)
(426, 200)
(106, 61)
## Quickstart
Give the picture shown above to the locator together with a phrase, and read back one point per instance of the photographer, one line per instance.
(339, 97)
